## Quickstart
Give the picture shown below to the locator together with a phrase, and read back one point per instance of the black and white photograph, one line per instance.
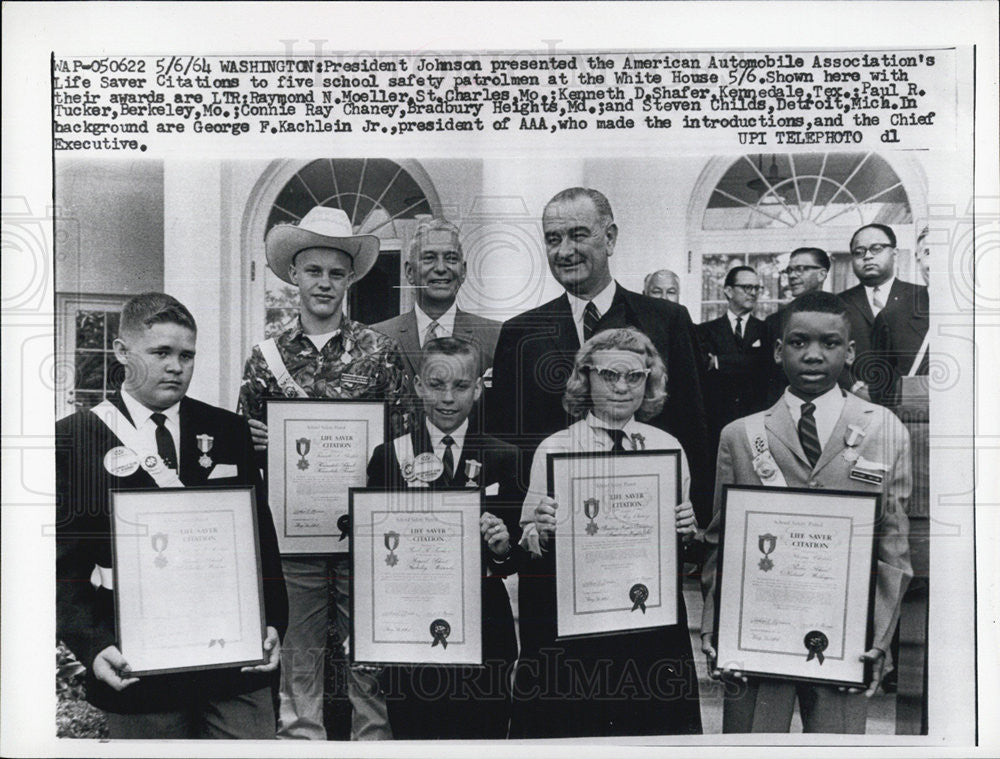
(696, 328)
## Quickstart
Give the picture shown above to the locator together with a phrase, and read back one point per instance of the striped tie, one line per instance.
(590, 320)
(808, 435)
(448, 459)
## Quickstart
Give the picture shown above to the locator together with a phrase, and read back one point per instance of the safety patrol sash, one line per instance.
(763, 461)
(290, 388)
(119, 460)
(403, 446)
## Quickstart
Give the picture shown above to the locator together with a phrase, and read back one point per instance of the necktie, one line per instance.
(739, 328)
(431, 332)
(808, 435)
(618, 436)
(877, 303)
(449, 458)
(164, 441)
(590, 320)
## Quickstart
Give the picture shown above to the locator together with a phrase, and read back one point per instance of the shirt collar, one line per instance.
(743, 319)
(594, 423)
(602, 301)
(832, 398)
(458, 435)
(883, 289)
(446, 321)
(140, 413)
(296, 332)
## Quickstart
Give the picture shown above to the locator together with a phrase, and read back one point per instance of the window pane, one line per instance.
(711, 311)
(86, 400)
(89, 329)
(89, 371)
(713, 275)
(767, 267)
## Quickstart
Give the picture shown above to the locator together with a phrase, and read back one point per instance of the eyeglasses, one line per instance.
(861, 251)
(798, 270)
(750, 289)
(633, 378)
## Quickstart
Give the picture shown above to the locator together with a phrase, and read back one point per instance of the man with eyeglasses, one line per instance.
(735, 354)
(873, 258)
(806, 272)
(535, 351)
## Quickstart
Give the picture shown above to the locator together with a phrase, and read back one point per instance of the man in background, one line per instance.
(662, 284)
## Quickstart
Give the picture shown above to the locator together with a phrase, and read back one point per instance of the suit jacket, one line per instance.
(897, 335)
(85, 616)
(535, 355)
(738, 386)
(476, 329)
(886, 441)
(905, 299)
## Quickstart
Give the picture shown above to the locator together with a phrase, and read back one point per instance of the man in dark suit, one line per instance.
(476, 702)
(873, 257)
(146, 436)
(436, 269)
(807, 270)
(734, 348)
(535, 351)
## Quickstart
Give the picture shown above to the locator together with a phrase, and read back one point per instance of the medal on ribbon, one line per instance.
(816, 643)
(639, 594)
(345, 357)
(205, 443)
(391, 540)
(159, 543)
(638, 442)
(766, 543)
(302, 446)
(851, 439)
(472, 470)
(591, 508)
(344, 525)
(440, 630)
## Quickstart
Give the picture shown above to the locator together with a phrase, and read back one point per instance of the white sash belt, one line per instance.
(291, 388)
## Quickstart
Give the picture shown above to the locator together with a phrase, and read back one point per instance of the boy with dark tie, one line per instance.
(816, 436)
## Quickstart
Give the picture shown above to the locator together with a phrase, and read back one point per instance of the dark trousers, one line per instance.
(766, 706)
(247, 716)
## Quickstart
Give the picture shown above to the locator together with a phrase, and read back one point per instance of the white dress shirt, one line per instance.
(828, 409)
(445, 328)
(144, 424)
(458, 436)
(602, 301)
(883, 292)
(743, 321)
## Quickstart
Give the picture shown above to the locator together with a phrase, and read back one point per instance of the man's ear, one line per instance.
(408, 272)
(849, 356)
(823, 275)
(121, 351)
(479, 389)
(612, 234)
(293, 273)
(777, 351)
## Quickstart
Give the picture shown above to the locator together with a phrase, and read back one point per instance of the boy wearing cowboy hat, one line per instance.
(323, 354)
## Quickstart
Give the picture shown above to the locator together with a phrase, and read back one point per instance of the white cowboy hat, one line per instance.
(320, 228)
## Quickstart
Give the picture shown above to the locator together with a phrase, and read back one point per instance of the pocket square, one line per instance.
(756, 343)
(493, 489)
(223, 470)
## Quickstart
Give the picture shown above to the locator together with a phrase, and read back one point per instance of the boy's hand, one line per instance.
(495, 533)
(687, 525)
(714, 671)
(545, 517)
(110, 667)
(272, 647)
(258, 432)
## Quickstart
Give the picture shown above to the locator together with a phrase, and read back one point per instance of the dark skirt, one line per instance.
(639, 683)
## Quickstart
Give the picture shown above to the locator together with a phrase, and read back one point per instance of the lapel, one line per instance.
(409, 340)
(778, 421)
(190, 471)
(857, 298)
(563, 336)
(754, 331)
(115, 399)
(726, 334)
(463, 326)
(853, 412)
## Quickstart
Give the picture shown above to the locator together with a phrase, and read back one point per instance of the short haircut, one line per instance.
(450, 346)
(664, 272)
(734, 272)
(819, 256)
(425, 227)
(576, 400)
(596, 196)
(143, 311)
(816, 302)
(887, 231)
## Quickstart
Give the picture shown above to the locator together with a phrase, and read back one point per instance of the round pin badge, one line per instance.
(121, 461)
(153, 464)
(427, 467)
